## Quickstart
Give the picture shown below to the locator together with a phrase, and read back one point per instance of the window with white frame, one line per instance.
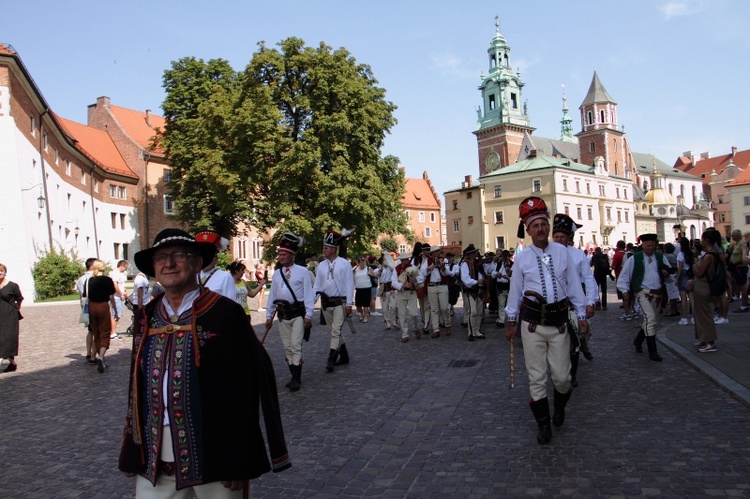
(67, 168)
(499, 218)
(579, 212)
(578, 186)
(167, 175)
(427, 232)
(609, 214)
(565, 184)
(498, 191)
(747, 200)
(241, 248)
(500, 242)
(627, 217)
(601, 190)
(168, 205)
(455, 226)
(536, 185)
(588, 188)
(121, 192)
(421, 216)
(112, 191)
(590, 212)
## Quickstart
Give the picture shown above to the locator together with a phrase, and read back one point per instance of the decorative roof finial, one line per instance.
(497, 24)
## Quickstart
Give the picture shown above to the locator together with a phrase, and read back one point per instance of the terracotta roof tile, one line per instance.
(741, 179)
(419, 195)
(706, 166)
(98, 146)
(134, 123)
(7, 49)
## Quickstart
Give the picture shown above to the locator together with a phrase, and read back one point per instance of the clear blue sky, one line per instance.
(677, 69)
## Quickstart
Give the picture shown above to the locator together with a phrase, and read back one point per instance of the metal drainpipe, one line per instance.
(146, 157)
(44, 175)
(93, 213)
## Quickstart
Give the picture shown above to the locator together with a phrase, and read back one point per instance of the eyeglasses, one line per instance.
(177, 257)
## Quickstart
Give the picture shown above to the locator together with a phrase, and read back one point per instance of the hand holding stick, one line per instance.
(269, 325)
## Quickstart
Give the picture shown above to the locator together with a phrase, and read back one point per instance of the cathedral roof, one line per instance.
(553, 147)
(541, 162)
(646, 162)
(597, 93)
(659, 196)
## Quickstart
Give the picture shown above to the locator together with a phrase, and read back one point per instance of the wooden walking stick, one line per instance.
(512, 362)
(268, 328)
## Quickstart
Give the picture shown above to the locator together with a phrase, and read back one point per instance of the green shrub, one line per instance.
(224, 259)
(55, 274)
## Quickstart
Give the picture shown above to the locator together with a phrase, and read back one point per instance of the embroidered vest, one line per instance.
(639, 270)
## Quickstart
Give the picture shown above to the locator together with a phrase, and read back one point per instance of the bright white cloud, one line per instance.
(686, 8)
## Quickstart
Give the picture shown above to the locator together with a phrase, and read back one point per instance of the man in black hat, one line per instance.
(198, 375)
(335, 285)
(292, 298)
(545, 282)
(473, 282)
(643, 274)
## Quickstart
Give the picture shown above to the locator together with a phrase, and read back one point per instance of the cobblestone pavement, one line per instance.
(401, 420)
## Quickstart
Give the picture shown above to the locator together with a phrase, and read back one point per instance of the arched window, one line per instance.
(506, 61)
(669, 186)
(590, 118)
(615, 144)
(601, 116)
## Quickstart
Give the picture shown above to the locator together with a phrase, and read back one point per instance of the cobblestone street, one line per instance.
(401, 420)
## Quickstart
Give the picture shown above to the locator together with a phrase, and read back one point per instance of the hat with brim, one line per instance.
(404, 256)
(433, 249)
(563, 223)
(470, 249)
(172, 237)
(648, 237)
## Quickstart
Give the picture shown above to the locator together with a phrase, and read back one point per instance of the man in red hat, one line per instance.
(213, 277)
(198, 376)
(563, 228)
(335, 285)
(545, 280)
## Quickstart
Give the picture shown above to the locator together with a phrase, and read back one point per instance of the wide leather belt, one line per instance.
(545, 314)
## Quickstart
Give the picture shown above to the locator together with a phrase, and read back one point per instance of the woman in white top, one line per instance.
(362, 288)
(685, 261)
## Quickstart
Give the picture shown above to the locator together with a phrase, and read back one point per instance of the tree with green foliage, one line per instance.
(291, 143)
(55, 274)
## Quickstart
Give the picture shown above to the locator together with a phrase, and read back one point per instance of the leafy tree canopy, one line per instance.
(293, 143)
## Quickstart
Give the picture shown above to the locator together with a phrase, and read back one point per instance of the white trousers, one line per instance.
(439, 306)
(546, 346)
(292, 334)
(335, 318)
(407, 310)
(388, 303)
(502, 300)
(473, 312)
(649, 304)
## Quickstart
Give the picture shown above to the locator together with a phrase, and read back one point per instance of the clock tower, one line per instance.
(502, 121)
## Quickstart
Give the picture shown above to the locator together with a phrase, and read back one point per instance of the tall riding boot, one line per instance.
(561, 400)
(574, 356)
(652, 353)
(332, 354)
(296, 382)
(291, 370)
(343, 356)
(540, 408)
(638, 341)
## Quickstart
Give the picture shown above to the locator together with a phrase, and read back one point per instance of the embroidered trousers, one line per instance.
(542, 348)
(292, 333)
(649, 304)
(439, 306)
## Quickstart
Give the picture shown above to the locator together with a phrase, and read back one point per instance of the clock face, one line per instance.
(492, 161)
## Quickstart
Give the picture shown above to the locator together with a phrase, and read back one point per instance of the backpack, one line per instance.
(718, 284)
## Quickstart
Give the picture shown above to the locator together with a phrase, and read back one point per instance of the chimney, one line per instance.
(467, 182)
(734, 151)
(706, 155)
(148, 117)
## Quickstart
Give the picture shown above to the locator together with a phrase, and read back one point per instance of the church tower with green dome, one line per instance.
(502, 121)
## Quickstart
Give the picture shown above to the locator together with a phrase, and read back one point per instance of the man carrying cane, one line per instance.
(292, 297)
(544, 281)
(334, 284)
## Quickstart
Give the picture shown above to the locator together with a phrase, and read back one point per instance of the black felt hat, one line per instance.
(173, 237)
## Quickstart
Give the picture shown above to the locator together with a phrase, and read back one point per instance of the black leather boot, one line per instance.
(332, 354)
(652, 353)
(291, 370)
(561, 400)
(296, 382)
(574, 356)
(343, 356)
(540, 408)
(638, 341)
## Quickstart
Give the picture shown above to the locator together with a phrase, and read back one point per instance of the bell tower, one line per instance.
(600, 137)
(502, 121)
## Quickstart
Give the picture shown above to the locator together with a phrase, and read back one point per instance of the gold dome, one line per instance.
(659, 196)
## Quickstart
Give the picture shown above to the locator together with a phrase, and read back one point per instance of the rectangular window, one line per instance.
(627, 216)
(565, 185)
(455, 226)
(83, 177)
(578, 186)
(468, 195)
(45, 141)
(500, 242)
(167, 175)
(402, 248)
(33, 125)
(513, 100)
(117, 251)
(470, 220)
(427, 232)
(609, 214)
(567, 209)
(537, 185)
(747, 219)
(432, 217)
(588, 188)
(747, 200)
(455, 204)
(257, 249)
(619, 216)
(125, 251)
(421, 216)
(57, 156)
(590, 213)
(722, 217)
(579, 214)
(112, 191)
(617, 192)
(122, 221)
(721, 199)
(96, 185)
(121, 192)
(242, 248)
(168, 205)
(601, 191)
(498, 191)
(114, 220)
(499, 217)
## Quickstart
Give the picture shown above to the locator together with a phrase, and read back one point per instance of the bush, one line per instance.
(224, 259)
(55, 274)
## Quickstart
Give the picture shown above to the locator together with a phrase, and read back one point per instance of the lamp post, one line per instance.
(40, 200)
